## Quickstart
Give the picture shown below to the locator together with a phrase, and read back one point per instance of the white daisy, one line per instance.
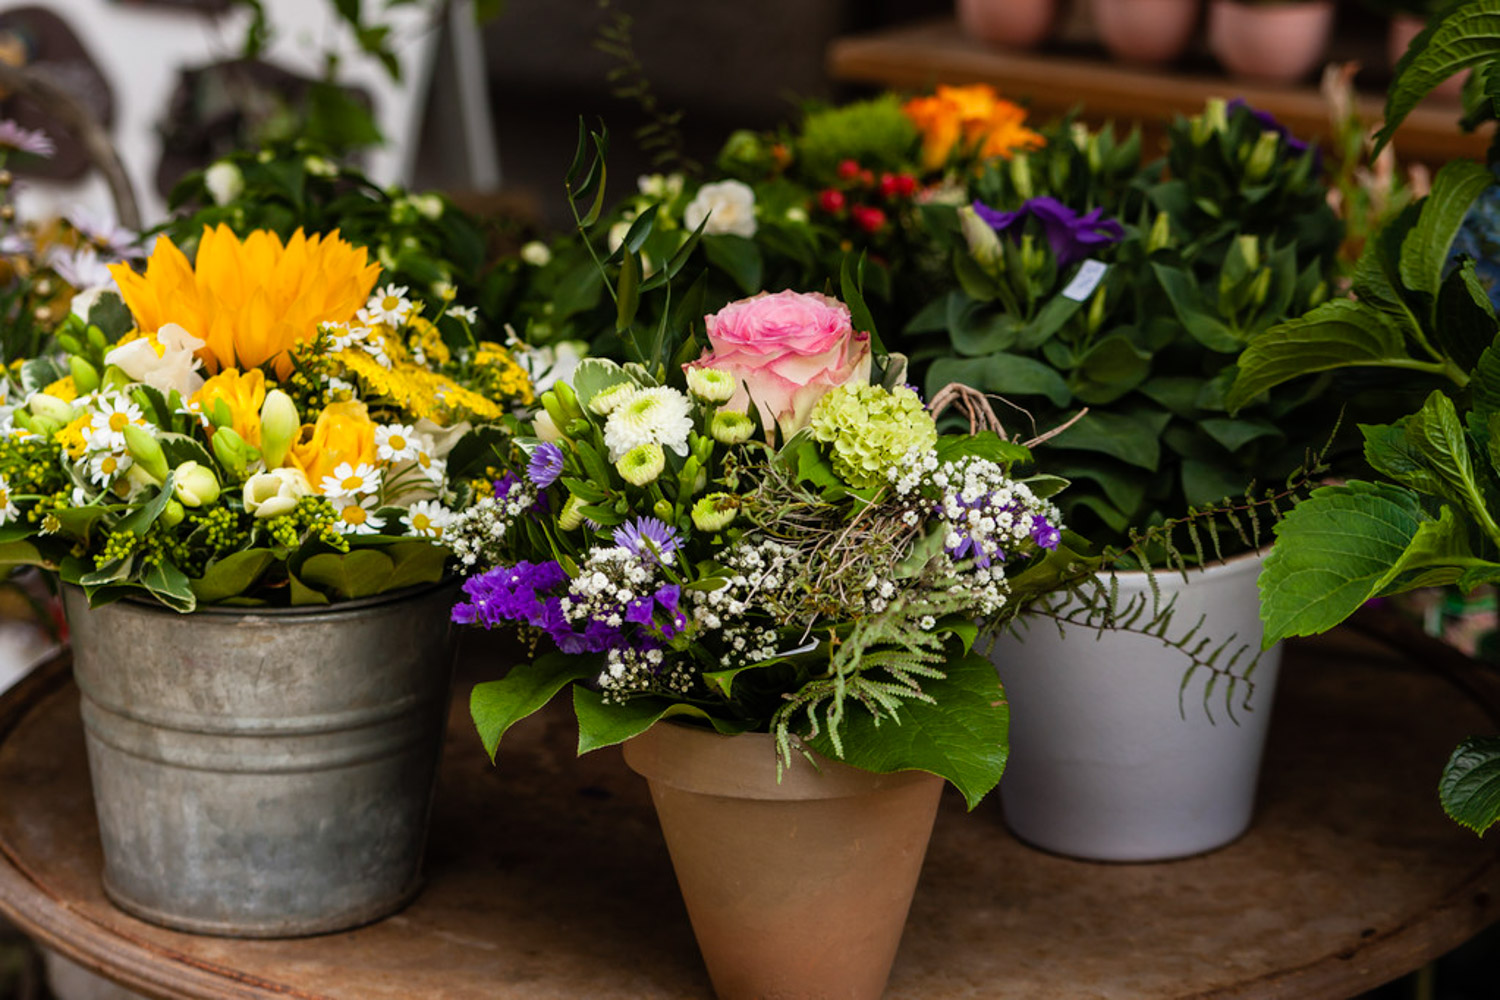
(195, 410)
(349, 480)
(466, 313)
(338, 388)
(105, 430)
(354, 515)
(8, 507)
(79, 497)
(435, 469)
(104, 468)
(395, 443)
(427, 518)
(389, 306)
(342, 336)
(661, 415)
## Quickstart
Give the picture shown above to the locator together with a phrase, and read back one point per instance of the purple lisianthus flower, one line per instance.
(647, 538)
(1071, 236)
(1269, 123)
(25, 140)
(545, 466)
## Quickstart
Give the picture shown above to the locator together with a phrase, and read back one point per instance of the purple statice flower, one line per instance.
(642, 610)
(1071, 236)
(24, 140)
(1269, 123)
(648, 539)
(510, 481)
(1043, 533)
(545, 466)
(512, 594)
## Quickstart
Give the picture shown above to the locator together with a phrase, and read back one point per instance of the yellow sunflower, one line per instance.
(251, 301)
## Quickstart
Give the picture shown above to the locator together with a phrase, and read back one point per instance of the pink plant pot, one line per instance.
(1405, 27)
(1281, 43)
(1020, 24)
(1152, 32)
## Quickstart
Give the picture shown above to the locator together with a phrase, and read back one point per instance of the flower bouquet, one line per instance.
(255, 438)
(800, 577)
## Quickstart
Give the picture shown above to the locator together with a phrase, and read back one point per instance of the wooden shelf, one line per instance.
(923, 55)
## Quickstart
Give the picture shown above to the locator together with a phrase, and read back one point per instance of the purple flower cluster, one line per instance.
(1071, 236)
(1269, 123)
(1043, 533)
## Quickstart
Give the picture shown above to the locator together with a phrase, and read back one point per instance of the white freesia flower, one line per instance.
(544, 428)
(729, 207)
(660, 415)
(271, 494)
(166, 361)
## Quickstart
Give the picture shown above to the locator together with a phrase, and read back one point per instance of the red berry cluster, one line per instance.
(860, 184)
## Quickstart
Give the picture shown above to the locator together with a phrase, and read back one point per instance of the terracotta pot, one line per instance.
(1146, 31)
(797, 889)
(1276, 43)
(1020, 24)
(1405, 27)
(1105, 762)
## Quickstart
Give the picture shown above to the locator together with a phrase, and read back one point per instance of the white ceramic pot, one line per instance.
(1019, 24)
(1106, 762)
(1271, 43)
(1146, 31)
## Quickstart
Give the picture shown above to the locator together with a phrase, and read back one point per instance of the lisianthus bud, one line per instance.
(715, 512)
(146, 451)
(195, 485)
(642, 464)
(1096, 312)
(1020, 175)
(1161, 233)
(553, 407)
(568, 398)
(233, 452)
(710, 384)
(1079, 133)
(731, 427)
(572, 514)
(271, 494)
(536, 253)
(279, 426)
(1215, 118)
(1261, 287)
(984, 242)
(49, 407)
(85, 375)
(1262, 156)
(1249, 250)
(604, 403)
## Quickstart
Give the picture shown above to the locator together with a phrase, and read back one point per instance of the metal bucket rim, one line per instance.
(308, 611)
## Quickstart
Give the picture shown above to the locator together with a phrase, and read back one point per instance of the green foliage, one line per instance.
(1470, 786)
(1463, 35)
(874, 133)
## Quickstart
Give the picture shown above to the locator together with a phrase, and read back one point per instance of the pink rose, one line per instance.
(789, 349)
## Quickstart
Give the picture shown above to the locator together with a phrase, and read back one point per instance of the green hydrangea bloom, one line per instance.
(871, 430)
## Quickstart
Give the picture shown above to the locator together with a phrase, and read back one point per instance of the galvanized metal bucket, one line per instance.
(264, 772)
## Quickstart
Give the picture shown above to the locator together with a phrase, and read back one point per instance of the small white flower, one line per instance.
(659, 415)
(338, 388)
(536, 253)
(104, 468)
(395, 443)
(354, 514)
(435, 469)
(389, 306)
(466, 313)
(347, 480)
(8, 508)
(105, 430)
(224, 181)
(427, 518)
(729, 207)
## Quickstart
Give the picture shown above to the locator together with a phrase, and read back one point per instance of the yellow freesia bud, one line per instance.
(233, 452)
(279, 424)
(44, 405)
(85, 375)
(172, 514)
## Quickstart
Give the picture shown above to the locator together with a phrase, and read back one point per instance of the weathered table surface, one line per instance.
(548, 877)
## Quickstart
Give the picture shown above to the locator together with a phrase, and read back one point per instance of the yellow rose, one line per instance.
(243, 393)
(344, 433)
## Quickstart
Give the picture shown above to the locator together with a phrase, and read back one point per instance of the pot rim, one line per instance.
(1213, 569)
(302, 613)
(743, 766)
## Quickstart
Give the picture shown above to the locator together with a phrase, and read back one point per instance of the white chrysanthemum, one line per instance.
(389, 306)
(355, 515)
(7, 506)
(104, 468)
(651, 416)
(427, 518)
(349, 480)
(395, 443)
(605, 400)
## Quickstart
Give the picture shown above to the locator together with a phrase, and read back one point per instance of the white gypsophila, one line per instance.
(609, 579)
(659, 415)
(468, 314)
(729, 207)
(634, 671)
(477, 535)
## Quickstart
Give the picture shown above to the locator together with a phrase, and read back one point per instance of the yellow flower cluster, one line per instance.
(420, 392)
(969, 120)
(500, 376)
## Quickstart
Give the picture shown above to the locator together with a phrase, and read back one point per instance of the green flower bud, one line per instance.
(279, 426)
(195, 485)
(220, 414)
(1020, 175)
(572, 514)
(692, 478)
(604, 402)
(663, 510)
(45, 426)
(568, 398)
(85, 375)
(554, 409)
(1262, 157)
(1096, 312)
(1215, 118)
(97, 339)
(146, 451)
(701, 447)
(23, 420)
(711, 385)
(115, 378)
(1079, 133)
(1249, 251)
(716, 511)
(1161, 233)
(642, 464)
(233, 452)
(51, 408)
(1319, 295)
(1261, 287)
(984, 243)
(172, 514)
(731, 427)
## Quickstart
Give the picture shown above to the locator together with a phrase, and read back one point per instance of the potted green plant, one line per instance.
(757, 567)
(241, 473)
(1270, 41)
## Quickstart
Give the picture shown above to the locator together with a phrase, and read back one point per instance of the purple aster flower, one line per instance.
(647, 538)
(546, 465)
(1269, 123)
(24, 140)
(1071, 236)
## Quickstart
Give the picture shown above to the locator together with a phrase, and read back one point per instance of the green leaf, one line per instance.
(1484, 385)
(1132, 438)
(1435, 435)
(1470, 785)
(1111, 368)
(593, 376)
(1337, 334)
(169, 585)
(416, 561)
(495, 706)
(737, 257)
(604, 724)
(231, 576)
(1465, 319)
(1235, 434)
(1424, 252)
(1465, 36)
(975, 330)
(964, 736)
(21, 553)
(1331, 552)
(1186, 296)
(852, 290)
(302, 594)
(1006, 374)
(349, 575)
(627, 292)
(143, 517)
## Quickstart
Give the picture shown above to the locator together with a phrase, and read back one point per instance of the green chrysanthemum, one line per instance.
(871, 430)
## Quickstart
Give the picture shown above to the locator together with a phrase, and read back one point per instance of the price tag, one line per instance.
(1086, 280)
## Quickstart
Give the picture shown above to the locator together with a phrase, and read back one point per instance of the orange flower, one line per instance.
(969, 120)
(252, 301)
(344, 433)
(243, 394)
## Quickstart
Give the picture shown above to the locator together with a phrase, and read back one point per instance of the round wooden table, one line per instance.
(548, 877)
